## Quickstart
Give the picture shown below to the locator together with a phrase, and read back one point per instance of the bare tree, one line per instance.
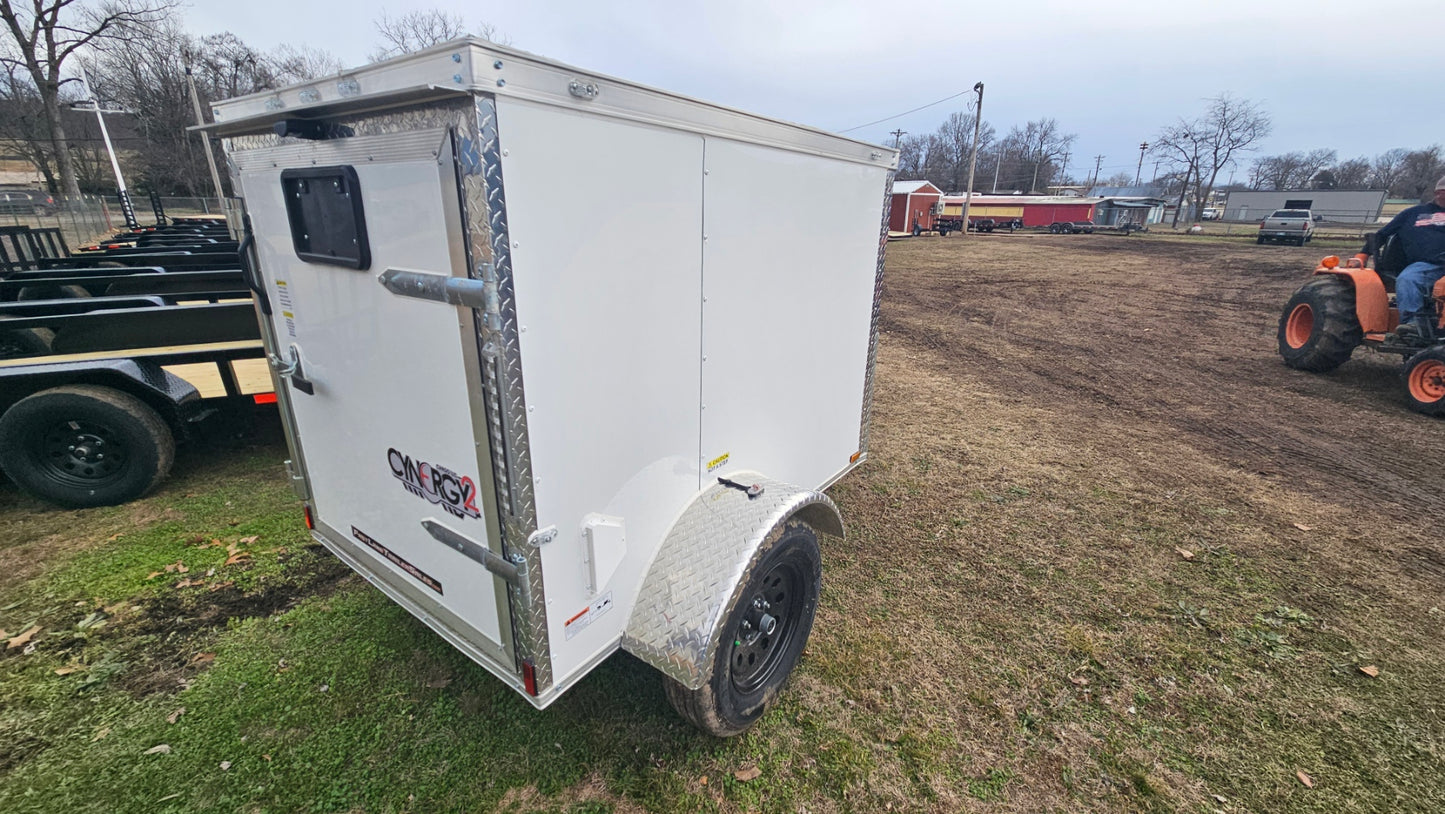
(912, 158)
(46, 33)
(1205, 146)
(423, 28)
(1352, 174)
(1296, 170)
(1419, 170)
(1385, 170)
(298, 63)
(950, 148)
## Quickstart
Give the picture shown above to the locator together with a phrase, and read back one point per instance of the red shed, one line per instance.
(912, 204)
(1035, 210)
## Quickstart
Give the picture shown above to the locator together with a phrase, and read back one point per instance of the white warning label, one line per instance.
(588, 615)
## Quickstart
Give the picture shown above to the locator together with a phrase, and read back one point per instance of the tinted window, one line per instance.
(1291, 213)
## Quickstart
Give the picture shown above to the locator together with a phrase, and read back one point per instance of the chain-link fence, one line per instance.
(81, 219)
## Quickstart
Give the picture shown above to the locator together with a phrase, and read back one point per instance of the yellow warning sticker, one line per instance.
(718, 462)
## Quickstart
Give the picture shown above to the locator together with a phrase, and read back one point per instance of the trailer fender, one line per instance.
(169, 394)
(703, 563)
(1372, 304)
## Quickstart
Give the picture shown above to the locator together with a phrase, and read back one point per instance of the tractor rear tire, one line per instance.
(1425, 382)
(1318, 329)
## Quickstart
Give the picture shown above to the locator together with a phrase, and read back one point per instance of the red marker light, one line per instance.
(529, 677)
(264, 398)
(310, 521)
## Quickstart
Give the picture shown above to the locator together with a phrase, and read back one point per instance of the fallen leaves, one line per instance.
(220, 586)
(225, 765)
(1370, 670)
(747, 773)
(249, 540)
(162, 749)
(439, 682)
(202, 659)
(1079, 681)
(235, 554)
(1185, 553)
(175, 716)
(176, 567)
(188, 583)
(22, 639)
(67, 670)
(1303, 527)
(1309, 782)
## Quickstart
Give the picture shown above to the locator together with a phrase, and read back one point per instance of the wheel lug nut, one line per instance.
(99, 457)
(72, 447)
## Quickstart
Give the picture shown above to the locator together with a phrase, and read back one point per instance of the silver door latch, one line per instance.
(291, 369)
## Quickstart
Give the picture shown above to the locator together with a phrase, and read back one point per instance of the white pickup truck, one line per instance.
(1290, 225)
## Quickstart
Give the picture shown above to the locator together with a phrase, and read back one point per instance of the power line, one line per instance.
(905, 113)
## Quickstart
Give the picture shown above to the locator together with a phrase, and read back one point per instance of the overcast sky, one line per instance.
(1358, 77)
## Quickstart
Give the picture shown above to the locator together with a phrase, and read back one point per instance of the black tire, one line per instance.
(1259, 240)
(40, 436)
(1424, 377)
(18, 343)
(917, 230)
(1318, 329)
(750, 666)
(51, 292)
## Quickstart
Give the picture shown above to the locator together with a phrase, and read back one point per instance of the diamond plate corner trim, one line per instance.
(873, 328)
(695, 580)
(490, 249)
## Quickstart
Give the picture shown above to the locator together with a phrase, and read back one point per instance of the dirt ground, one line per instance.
(1175, 339)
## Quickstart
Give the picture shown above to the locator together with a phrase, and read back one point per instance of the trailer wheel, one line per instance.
(763, 637)
(51, 292)
(1425, 382)
(84, 445)
(19, 343)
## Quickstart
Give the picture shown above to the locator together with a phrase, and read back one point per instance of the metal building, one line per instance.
(1336, 205)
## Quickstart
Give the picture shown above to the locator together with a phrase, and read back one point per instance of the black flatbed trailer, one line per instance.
(109, 356)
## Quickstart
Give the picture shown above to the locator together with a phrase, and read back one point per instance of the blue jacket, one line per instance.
(1421, 230)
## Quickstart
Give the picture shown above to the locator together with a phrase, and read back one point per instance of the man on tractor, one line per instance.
(1421, 232)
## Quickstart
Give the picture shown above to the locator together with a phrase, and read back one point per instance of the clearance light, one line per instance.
(264, 398)
(529, 677)
(853, 459)
(1331, 262)
(310, 521)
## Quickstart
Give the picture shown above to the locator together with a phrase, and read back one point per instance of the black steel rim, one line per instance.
(768, 624)
(82, 453)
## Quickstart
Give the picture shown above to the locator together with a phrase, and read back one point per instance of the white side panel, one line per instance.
(788, 279)
(605, 219)
(389, 374)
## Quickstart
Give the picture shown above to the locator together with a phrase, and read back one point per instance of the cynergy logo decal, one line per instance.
(457, 494)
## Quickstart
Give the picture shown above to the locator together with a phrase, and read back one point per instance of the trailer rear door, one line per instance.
(392, 430)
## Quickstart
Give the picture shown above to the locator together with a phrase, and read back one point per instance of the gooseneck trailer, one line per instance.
(551, 440)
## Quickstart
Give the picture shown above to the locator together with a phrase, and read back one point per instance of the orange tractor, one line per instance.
(1347, 305)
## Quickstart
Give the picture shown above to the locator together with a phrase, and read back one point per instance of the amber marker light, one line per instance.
(1330, 262)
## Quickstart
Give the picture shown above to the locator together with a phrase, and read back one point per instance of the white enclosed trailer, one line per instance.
(565, 362)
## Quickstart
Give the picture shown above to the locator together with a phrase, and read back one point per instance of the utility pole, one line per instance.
(973, 155)
(125, 205)
(205, 141)
(1143, 145)
(898, 137)
(1098, 162)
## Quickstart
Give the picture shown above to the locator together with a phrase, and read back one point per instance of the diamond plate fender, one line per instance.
(705, 560)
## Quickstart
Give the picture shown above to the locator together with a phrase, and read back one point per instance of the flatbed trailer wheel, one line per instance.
(1425, 382)
(19, 343)
(763, 636)
(85, 445)
(1319, 330)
